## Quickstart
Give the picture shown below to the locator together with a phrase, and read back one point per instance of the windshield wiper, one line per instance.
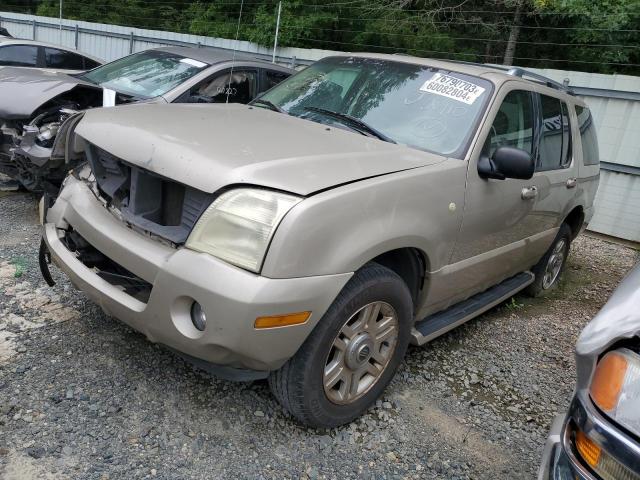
(353, 122)
(271, 105)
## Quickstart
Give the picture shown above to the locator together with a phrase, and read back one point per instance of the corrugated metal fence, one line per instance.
(109, 42)
(613, 99)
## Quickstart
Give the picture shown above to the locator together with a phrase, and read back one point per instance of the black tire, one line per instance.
(30, 182)
(299, 386)
(540, 287)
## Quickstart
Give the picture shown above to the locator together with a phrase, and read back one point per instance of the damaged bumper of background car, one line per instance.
(155, 293)
(37, 152)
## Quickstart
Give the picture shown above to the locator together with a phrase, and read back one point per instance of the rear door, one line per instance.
(556, 174)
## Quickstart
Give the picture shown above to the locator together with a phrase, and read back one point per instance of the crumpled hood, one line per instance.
(23, 90)
(211, 146)
(618, 319)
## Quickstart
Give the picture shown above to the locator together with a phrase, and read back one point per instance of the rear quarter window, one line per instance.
(62, 59)
(588, 138)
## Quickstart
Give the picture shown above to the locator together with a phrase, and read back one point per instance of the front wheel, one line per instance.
(548, 270)
(352, 354)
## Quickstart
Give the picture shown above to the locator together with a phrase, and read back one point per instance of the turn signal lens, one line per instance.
(608, 380)
(282, 320)
(606, 466)
(589, 451)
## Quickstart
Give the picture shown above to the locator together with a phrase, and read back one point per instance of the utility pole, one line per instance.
(275, 42)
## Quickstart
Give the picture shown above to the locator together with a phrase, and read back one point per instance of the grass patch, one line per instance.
(20, 265)
(514, 304)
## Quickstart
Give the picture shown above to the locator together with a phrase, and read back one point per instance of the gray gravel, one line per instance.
(83, 396)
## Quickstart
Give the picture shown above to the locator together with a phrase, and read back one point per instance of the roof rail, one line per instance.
(515, 72)
(522, 73)
(519, 72)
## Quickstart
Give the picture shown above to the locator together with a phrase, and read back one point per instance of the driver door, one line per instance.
(500, 215)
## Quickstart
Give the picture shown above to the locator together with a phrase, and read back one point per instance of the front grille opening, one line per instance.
(146, 200)
(157, 200)
(106, 268)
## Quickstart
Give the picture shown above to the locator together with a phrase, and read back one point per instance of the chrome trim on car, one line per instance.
(584, 415)
(568, 449)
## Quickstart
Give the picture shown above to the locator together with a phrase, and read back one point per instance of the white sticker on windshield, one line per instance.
(454, 88)
(108, 98)
(193, 63)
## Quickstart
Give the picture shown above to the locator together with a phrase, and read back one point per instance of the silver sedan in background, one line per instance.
(599, 437)
(36, 105)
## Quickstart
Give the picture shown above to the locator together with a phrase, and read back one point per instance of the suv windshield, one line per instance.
(419, 106)
(146, 74)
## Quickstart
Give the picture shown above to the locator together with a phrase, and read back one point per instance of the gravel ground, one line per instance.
(83, 396)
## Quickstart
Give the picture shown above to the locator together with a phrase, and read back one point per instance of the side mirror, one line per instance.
(507, 162)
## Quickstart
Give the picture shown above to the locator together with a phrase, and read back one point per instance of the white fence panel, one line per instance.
(618, 206)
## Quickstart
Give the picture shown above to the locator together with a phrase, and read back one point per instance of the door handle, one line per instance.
(529, 193)
(572, 182)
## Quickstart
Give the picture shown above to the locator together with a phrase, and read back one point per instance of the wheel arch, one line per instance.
(410, 264)
(575, 220)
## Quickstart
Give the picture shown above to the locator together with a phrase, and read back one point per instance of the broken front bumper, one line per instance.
(232, 298)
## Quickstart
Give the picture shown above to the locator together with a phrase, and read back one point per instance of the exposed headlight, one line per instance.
(615, 387)
(238, 226)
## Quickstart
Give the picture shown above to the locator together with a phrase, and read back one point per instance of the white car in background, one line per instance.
(15, 52)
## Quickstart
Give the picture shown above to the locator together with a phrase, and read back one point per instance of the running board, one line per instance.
(439, 323)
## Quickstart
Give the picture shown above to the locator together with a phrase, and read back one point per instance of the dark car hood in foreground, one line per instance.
(23, 90)
(211, 146)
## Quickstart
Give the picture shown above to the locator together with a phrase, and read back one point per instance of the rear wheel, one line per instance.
(548, 270)
(352, 354)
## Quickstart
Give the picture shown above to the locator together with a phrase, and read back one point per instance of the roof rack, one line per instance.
(522, 73)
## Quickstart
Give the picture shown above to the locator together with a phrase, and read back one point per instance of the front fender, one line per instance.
(339, 230)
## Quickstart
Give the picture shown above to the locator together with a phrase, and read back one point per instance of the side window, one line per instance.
(272, 78)
(19, 56)
(63, 60)
(241, 86)
(513, 125)
(89, 64)
(588, 138)
(567, 147)
(555, 136)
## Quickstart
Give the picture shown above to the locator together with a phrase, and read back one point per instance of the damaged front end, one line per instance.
(33, 153)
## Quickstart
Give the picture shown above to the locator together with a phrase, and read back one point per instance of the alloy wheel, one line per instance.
(360, 353)
(554, 264)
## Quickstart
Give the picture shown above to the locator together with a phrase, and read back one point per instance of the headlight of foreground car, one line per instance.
(615, 387)
(238, 226)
